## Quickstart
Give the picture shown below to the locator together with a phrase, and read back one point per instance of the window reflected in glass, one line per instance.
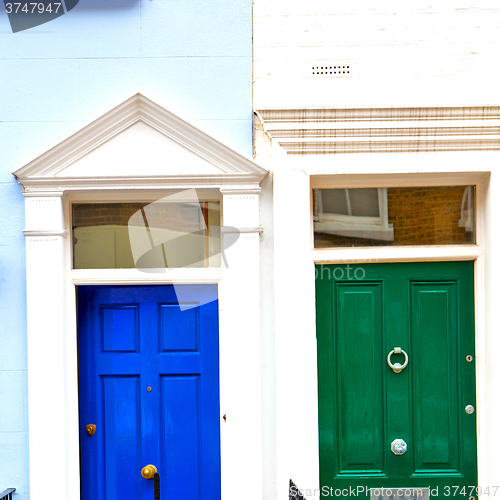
(438, 215)
(146, 235)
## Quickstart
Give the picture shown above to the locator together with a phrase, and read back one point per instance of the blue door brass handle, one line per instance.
(149, 471)
(397, 367)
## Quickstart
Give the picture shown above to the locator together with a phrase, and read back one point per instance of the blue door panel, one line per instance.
(181, 436)
(178, 329)
(149, 381)
(122, 434)
(119, 328)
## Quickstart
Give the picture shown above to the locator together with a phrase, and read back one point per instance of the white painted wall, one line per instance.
(439, 52)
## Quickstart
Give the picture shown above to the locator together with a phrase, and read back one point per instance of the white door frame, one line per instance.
(51, 301)
(295, 336)
(387, 152)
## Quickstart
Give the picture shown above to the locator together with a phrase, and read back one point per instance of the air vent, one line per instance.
(338, 70)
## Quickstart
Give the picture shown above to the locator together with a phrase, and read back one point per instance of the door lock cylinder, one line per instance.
(398, 447)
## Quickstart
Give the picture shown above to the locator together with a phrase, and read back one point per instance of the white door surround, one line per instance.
(360, 148)
(137, 151)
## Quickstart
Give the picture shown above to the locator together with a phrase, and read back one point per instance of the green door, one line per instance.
(364, 312)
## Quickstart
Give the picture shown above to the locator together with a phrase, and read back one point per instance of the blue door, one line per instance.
(149, 382)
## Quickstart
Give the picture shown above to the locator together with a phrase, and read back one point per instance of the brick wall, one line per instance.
(181, 217)
(427, 215)
(420, 216)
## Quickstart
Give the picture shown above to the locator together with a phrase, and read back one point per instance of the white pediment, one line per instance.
(139, 148)
(138, 143)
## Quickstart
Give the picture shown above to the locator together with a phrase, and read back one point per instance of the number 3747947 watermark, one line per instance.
(33, 8)
(25, 15)
(468, 491)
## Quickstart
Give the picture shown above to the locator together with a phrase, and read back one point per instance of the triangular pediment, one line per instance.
(138, 142)
(139, 148)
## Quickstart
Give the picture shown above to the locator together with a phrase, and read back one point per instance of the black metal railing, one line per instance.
(156, 478)
(7, 494)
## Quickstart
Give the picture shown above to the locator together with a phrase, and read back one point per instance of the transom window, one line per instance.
(146, 235)
(436, 215)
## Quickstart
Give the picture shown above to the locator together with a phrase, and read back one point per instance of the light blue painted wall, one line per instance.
(194, 56)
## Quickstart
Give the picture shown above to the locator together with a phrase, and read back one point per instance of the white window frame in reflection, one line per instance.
(373, 228)
(467, 210)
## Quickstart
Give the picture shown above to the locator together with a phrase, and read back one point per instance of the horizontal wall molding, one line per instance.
(398, 180)
(235, 230)
(40, 187)
(380, 114)
(329, 130)
(48, 232)
(241, 190)
(150, 276)
(428, 253)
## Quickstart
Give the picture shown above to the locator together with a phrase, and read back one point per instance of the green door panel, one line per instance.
(427, 309)
(357, 390)
(435, 344)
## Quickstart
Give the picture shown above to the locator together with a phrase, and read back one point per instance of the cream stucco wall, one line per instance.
(399, 53)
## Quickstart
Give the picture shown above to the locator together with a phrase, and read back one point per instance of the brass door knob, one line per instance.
(149, 471)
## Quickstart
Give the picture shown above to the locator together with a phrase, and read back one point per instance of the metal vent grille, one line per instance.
(338, 70)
